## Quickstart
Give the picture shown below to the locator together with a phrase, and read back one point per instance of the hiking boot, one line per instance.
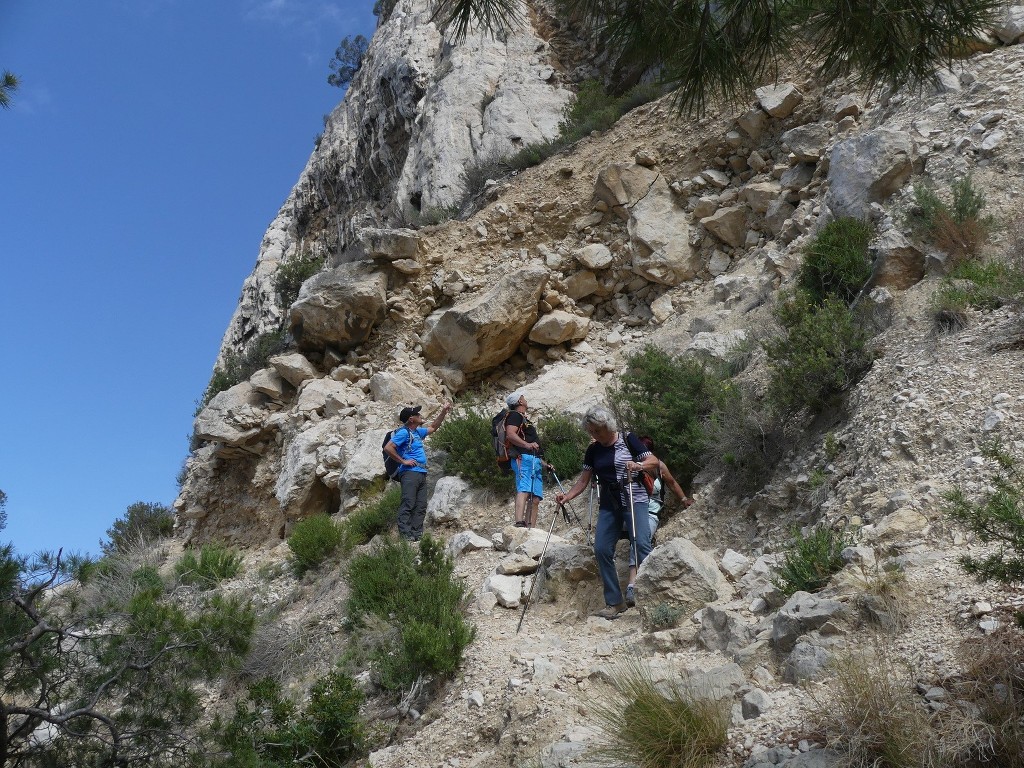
(520, 523)
(631, 595)
(611, 611)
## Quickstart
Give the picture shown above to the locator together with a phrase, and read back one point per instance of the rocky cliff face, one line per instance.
(661, 231)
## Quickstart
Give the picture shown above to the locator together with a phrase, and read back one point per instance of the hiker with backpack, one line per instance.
(618, 462)
(525, 457)
(662, 479)
(406, 448)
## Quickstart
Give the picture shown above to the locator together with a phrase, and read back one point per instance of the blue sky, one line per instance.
(148, 147)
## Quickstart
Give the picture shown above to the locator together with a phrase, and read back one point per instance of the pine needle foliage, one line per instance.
(958, 228)
(658, 725)
(214, 564)
(313, 540)
(997, 518)
(836, 261)
(714, 51)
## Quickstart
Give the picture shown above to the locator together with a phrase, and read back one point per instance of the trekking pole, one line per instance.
(578, 521)
(536, 578)
(590, 519)
(632, 517)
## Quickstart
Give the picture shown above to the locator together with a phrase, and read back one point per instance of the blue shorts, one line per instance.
(529, 475)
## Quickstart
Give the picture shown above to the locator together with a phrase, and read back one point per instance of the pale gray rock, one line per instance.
(389, 244)
(802, 613)
(806, 662)
(660, 237)
(232, 417)
(728, 224)
(898, 526)
(730, 289)
(391, 388)
(594, 256)
(294, 368)
(716, 346)
(559, 327)
(715, 178)
(778, 213)
(339, 308)
(571, 562)
(621, 186)
(682, 574)
(318, 394)
(565, 388)
(868, 168)
(753, 123)
(364, 464)
(719, 263)
(779, 100)
(531, 541)
(898, 263)
(661, 308)
(508, 589)
(446, 503)
(760, 195)
(722, 630)
(807, 142)
(466, 541)
(797, 177)
(517, 564)
(1010, 28)
(297, 476)
(487, 329)
(706, 206)
(545, 672)
(846, 106)
(268, 382)
(755, 703)
(735, 564)
(582, 284)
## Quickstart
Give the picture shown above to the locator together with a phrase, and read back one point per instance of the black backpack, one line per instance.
(498, 438)
(392, 467)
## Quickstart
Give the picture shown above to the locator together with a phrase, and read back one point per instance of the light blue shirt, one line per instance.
(413, 450)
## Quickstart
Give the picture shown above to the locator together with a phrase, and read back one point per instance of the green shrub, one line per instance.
(958, 228)
(269, 730)
(292, 273)
(976, 284)
(663, 616)
(999, 518)
(659, 725)
(466, 438)
(836, 262)
(239, 367)
(214, 564)
(418, 596)
(809, 561)
(822, 353)
(373, 519)
(142, 521)
(668, 398)
(748, 435)
(313, 540)
(564, 442)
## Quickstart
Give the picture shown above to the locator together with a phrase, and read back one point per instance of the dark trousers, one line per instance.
(414, 504)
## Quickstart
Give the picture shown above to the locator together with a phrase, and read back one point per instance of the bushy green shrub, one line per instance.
(313, 540)
(668, 398)
(466, 438)
(269, 730)
(142, 521)
(417, 594)
(957, 228)
(371, 520)
(214, 564)
(976, 284)
(823, 352)
(999, 517)
(809, 561)
(749, 436)
(836, 261)
(659, 725)
(564, 442)
(292, 273)
(239, 367)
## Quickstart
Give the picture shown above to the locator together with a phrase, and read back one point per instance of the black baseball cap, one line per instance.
(408, 413)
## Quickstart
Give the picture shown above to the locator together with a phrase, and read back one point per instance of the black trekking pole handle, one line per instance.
(586, 531)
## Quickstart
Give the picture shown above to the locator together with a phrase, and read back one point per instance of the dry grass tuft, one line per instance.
(659, 725)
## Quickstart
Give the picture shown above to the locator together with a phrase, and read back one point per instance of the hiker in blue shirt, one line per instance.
(406, 447)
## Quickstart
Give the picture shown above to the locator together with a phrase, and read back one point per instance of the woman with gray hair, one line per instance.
(615, 460)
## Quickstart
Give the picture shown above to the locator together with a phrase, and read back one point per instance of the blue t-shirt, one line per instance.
(414, 451)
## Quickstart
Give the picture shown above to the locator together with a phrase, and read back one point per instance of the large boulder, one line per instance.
(338, 308)
(388, 387)
(868, 168)
(802, 613)
(682, 574)
(898, 262)
(365, 463)
(558, 327)
(233, 417)
(307, 456)
(487, 329)
(389, 244)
